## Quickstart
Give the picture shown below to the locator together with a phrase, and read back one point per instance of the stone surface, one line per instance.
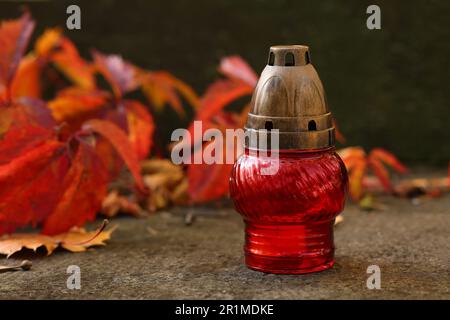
(162, 258)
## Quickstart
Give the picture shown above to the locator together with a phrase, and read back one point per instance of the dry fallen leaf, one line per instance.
(338, 220)
(75, 240)
(115, 203)
(167, 183)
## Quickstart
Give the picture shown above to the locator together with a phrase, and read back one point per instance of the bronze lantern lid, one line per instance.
(289, 96)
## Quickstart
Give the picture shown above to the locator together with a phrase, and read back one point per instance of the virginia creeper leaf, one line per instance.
(381, 172)
(140, 127)
(84, 187)
(53, 47)
(389, 159)
(14, 37)
(219, 95)
(237, 68)
(120, 74)
(121, 144)
(30, 185)
(162, 88)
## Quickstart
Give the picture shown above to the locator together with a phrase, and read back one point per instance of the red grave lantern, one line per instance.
(289, 212)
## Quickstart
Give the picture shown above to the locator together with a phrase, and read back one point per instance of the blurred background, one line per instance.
(387, 88)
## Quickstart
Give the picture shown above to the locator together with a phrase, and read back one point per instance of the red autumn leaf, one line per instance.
(23, 125)
(14, 37)
(162, 88)
(381, 172)
(220, 94)
(236, 68)
(389, 159)
(208, 181)
(357, 162)
(140, 127)
(85, 186)
(119, 141)
(30, 185)
(120, 74)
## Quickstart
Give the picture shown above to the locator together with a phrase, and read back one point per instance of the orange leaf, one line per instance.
(351, 156)
(49, 41)
(389, 159)
(70, 63)
(72, 103)
(27, 81)
(162, 88)
(14, 37)
(140, 127)
(16, 242)
(54, 47)
(356, 176)
(237, 68)
(121, 144)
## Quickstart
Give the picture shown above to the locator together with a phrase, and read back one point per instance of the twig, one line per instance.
(24, 265)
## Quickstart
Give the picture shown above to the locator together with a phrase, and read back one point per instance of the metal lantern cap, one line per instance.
(289, 96)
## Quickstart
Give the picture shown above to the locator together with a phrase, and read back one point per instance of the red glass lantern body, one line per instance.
(290, 215)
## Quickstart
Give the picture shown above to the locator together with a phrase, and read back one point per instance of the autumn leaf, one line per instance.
(356, 176)
(27, 82)
(162, 88)
(389, 159)
(115, 203)
(14, 37)
(220, 94)
(381, 172)
(23, 125)
(211, 181)
(121, 75)
(140, 127)
(208, 182)
(84, 187)
(358, 163)
(120, 142)
(31, 185)
(53, 47)
(75, 240)
(167, 182)
(48, 42)
(235, 67)
(74, 103)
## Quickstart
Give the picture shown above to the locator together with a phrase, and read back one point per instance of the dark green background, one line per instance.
(387, 88)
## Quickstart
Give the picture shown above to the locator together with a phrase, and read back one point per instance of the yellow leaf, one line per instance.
(75, 240)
